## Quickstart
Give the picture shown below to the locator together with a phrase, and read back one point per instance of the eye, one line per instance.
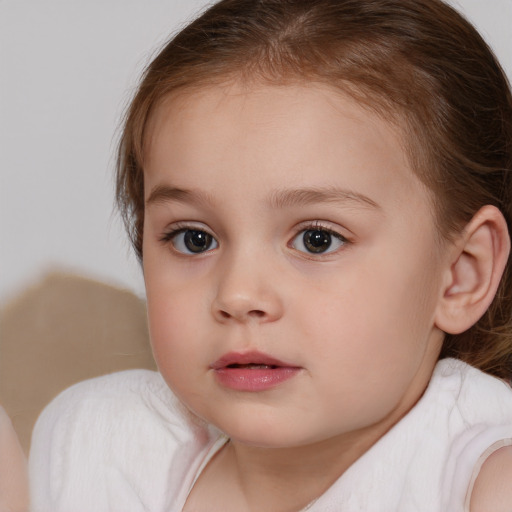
(318, 241)
(192, 241)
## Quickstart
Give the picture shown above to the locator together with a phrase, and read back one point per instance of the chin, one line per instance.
(267, 436)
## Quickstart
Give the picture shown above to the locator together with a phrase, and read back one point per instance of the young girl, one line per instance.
(320, 194)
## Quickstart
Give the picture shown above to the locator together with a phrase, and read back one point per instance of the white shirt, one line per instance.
(123, 443)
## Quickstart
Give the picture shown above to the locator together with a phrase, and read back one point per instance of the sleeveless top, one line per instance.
(123, 443)
(428, 461)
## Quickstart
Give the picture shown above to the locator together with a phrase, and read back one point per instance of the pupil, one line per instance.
(317, 241)
(197, 241)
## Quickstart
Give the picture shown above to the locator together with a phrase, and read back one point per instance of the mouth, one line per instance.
(252, 371)
(251, 359)
(254, 366)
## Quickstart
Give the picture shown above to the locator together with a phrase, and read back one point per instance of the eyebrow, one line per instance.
(306, 196)
(278, 200)
(164, 193)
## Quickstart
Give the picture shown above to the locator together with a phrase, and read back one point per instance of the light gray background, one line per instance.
(68, 67)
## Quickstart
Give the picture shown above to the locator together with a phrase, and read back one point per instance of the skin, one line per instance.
(13, 470)
(492, 490)
(359, 321)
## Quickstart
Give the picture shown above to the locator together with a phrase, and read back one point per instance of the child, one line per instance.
(320, 196)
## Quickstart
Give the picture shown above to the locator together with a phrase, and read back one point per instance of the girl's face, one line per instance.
(291, 266)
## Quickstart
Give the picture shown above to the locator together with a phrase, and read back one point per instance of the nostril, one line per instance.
(241, 309)
(253, 313)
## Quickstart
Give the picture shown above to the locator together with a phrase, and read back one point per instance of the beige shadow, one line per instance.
(63, 330)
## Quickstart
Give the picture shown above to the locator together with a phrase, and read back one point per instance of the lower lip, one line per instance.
(256, 379)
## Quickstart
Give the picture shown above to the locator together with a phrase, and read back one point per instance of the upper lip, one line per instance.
(253, 357)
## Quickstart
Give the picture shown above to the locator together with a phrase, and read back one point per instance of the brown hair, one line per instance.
(417, 62)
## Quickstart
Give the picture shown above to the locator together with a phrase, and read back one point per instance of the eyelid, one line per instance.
(318, 225)
(176, 228)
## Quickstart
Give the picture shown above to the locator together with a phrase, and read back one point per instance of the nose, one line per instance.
(247, 291)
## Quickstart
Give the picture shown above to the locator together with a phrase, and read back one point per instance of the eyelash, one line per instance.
(317, 226)
(176, 229)
(180, 228)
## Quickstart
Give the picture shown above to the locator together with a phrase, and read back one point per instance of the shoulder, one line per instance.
(492, 491)
(13, 478)
(117, 433)
(94, 405)
(102, 394)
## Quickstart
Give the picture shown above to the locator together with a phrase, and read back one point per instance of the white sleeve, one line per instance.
(107, 445)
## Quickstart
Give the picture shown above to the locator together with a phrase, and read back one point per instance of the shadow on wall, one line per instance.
(63, 330)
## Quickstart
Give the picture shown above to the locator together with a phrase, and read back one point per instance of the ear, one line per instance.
(476, 263)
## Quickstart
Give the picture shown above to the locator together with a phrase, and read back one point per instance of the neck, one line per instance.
(248, 478)
(265, 475)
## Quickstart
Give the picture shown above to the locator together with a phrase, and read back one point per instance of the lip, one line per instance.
(252, 371)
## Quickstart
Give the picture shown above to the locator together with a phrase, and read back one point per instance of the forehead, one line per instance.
(312, 135)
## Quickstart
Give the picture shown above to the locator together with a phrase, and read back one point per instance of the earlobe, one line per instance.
(476, 265)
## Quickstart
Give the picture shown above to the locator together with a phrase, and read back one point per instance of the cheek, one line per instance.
(171, 321)
(174, 342)
(374, 317)
(173, 316)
